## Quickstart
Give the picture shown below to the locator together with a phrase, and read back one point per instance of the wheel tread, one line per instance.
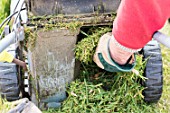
(153, 72)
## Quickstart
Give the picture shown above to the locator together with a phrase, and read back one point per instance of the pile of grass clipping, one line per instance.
(98, 91)
(86, 47)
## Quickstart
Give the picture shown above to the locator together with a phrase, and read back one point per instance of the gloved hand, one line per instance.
(111, 57)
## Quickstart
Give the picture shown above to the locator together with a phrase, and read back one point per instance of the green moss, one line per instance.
(30, 38)
(72, 26)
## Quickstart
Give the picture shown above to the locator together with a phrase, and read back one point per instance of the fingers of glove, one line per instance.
(97, 61)
(132, 59)
(102, 48)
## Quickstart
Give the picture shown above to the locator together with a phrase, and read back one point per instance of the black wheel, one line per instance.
(9, 79)
(153, 72)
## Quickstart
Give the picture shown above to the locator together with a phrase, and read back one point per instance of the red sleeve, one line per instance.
(137, 20)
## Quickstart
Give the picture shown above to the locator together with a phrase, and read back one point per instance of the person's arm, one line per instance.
(133, 28)
(138, 20)
(20, 63)
(6, 57)
(136, 23)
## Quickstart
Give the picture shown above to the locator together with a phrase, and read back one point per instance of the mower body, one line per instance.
(53, 64)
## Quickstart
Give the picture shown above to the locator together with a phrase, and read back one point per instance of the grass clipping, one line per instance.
(86, 47)
(97, 91)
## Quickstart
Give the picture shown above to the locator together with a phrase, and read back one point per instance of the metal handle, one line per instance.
(162, 38)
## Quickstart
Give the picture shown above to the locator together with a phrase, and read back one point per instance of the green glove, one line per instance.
(104, 60)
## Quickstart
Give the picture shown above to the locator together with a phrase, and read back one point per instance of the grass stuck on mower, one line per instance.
(50, 41)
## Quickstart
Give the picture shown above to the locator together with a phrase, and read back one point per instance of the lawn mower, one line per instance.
(51, 59)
